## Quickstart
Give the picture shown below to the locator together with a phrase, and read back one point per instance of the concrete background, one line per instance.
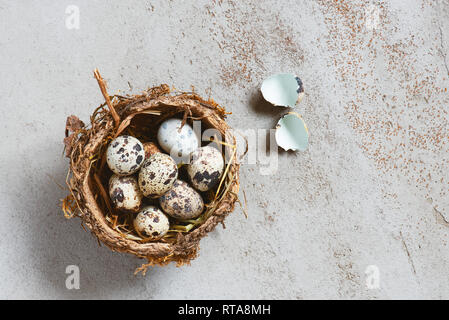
(372, 189)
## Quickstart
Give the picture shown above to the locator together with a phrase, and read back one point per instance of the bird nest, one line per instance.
(140, 116)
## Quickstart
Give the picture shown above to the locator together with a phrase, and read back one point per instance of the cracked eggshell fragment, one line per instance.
(283, 89)
(292, 132)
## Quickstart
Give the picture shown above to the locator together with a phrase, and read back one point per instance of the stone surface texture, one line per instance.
(371, 190)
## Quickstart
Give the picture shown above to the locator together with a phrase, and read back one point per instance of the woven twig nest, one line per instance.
(140, 116)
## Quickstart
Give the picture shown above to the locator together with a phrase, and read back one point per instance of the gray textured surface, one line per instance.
(372, 189)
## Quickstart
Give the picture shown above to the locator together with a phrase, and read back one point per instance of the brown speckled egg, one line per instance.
(125, 155)
(125, 193)
(157, 175)
(205, 168)
(150, 149)
(182, 201)
(151, 223)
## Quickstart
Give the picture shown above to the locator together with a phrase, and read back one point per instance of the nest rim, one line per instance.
(85, 148)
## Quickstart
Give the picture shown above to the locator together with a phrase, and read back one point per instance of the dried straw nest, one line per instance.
(140, 116)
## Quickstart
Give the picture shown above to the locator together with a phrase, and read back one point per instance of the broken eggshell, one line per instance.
(283, 89)
(292, 132)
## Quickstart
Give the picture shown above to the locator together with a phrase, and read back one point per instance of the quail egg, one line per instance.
(205, 168)
(125, 155)
(150, 149)
(157, 175)
(151, 223)
(182, 201)
(175, 141)
(125, 193)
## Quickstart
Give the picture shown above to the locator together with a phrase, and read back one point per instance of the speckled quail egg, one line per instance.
(178, 143)
(150, 149)
(125, 193)
(157, 175)
(205, 168)
(182, 201)
(151, 223)
(125, 155)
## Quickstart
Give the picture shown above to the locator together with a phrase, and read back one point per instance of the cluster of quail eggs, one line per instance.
(142, 171)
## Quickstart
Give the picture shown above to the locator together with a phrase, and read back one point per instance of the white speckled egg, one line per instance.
(151, 223)
(125, 193)
(205, 168)
(125, 155)
(182, 201)
(178, 143)
(157, 175)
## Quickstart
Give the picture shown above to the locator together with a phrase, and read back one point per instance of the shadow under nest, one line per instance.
(140, 116)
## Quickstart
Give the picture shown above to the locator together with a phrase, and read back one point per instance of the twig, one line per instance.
(103, 192)
(106, 97)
